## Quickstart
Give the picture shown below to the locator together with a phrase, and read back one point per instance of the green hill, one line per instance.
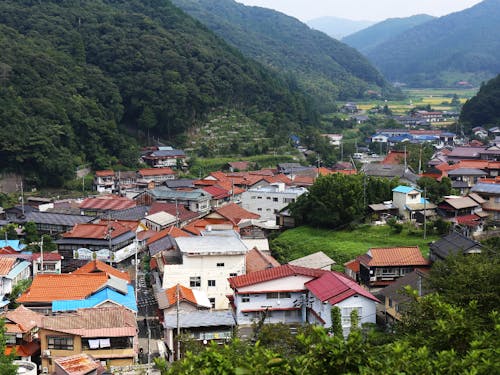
(369, 38)
(462, 46)
(325, 68)
(484, 108)
(76, 76)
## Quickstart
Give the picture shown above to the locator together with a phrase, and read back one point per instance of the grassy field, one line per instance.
(343, 246)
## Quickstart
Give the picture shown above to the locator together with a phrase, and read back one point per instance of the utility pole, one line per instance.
(425, 213)
(22, 197)
(41, 255)
(177, 297)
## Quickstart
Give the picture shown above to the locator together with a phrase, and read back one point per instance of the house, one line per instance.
(316, 260)
(54, 223)
(104, 181)
(92, 285)
(157, 175)
(404, 174)
(12, 271)
(409, 200)
(159, 221)
(382, 211)
(294, 295)
(267, 201)
(21, 333)
(109, 241)
(78, 364)
(236, 166)
(464, 178)
(205, 264)
(104, 204)
(196, 200)
(491, 193)
(334, 139)
(395, 297)
(383, 266)
(46, 263)
(108, 334)
(257, 260)
(451, 244)
(165, 157)
(219, 196)
(349, 108)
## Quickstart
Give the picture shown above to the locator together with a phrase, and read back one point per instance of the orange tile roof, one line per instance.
(256, 260)
(146, 172)
(24, 318)
(130, 224)
(221, 176)
(304, 180)
(98, 231)
(24, 350)
(279, 178)
(170, 231)
(96, 266)
(105, 173)
(8, 250)
(48, 288)
(235, 213)
(353, 265)
(394, 157)
(228, 185)
(79, 364)
(185, 294)
(6, 265)
(395, 256)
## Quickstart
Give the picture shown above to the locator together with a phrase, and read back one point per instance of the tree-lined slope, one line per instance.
(75, 74)
(326, 68)
(369, 38)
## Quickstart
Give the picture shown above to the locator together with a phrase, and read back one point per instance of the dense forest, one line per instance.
(484, 108)
(367, 39)
(438, 53)
(326, 68)
(79, 79)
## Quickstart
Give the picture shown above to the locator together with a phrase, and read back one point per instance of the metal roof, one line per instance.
(211, 245)
(315, 260)
(57, 219)
(486, 188)
(405, 189)
(197, 319)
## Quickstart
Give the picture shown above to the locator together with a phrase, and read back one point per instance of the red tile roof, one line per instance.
(304, 180)
(335, 287)
(217, 192)
(469, 220)
(279, 178)
(394, 157)
(8, 250)
(47, 288)
(25, 319)
(272, 274)
(47, 256)
(219, 175)
(170, 231)
(147, 172)
(79, 364)
(185, 294)
(394, 256)
(228, 185)
(96, 266)
(97, 231)
(24, 350)
(105, 173)
(6, 265)
(241, 165)
(235, 213)
(353, 265)
(107, 202)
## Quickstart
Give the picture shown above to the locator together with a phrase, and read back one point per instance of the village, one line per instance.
(151, 261)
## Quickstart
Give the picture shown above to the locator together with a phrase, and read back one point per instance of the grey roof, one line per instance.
(315, 260)
(57, 219)
(467, 172)
(183, 182)
(486, 188)
(396, 292)
(97, 242)
(164, 243)
(197, 319)
(211, 245)
(389, 171)
(163, 153)
(452, 244)
(134, 213)
(459, 184)
(163, 192)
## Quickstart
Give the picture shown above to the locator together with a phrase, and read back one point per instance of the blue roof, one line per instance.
(20, 267)
(15, 244)
(106, 294)
(404, 189)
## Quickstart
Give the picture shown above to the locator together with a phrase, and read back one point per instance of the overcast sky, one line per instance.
(373, 10)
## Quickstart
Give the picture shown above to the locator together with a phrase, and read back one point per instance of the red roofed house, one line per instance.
(108, 334)
(21, 326)
(293, 294)
(105, 203)
(157, 175)
(49, 263)
(382, 266)
(104, 181)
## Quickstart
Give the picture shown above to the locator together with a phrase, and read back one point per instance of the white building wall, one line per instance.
(206, 268)
(267, 202)
(368, 311)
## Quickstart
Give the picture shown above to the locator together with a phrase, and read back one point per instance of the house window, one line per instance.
(406, 270)
(276, 295)
(233, 274)
(220, 264)
(211, 282)
(275, 199)
(10, 339)
(252, 197)
(269, 198)
(346, 315)
(61, 343)
(195, 281)
(245, 298)
(212, 302)
(390, 302)
(288, 200)
(259, 197)
(259, 209)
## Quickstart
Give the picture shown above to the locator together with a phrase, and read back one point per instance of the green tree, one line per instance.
(7, 366)
(30, 233)
(336, 328)
(17, 290)
(435, 190)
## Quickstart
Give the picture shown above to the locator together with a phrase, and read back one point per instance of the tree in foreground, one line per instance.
(7, 366)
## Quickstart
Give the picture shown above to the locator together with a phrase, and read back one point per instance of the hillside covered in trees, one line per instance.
(438, 53)
(326, 68)
(369, 38)
(79, 79)
(484, 108)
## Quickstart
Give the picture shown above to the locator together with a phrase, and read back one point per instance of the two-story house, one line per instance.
(156, 175)
(165, 157)
(409, 201)
(195, 200)
(108, 334)
(104, 181)
(46, 263)
(491, 193)
(382, 266)
(295, 295)
(12, 271)
(452, 244)
(21, 332)
(205, 264)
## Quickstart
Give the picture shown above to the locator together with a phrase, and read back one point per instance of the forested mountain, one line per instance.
(324, 67)
(460, 46)
(338, 27)
(77, 75)
(484, 108)
(369, 38)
